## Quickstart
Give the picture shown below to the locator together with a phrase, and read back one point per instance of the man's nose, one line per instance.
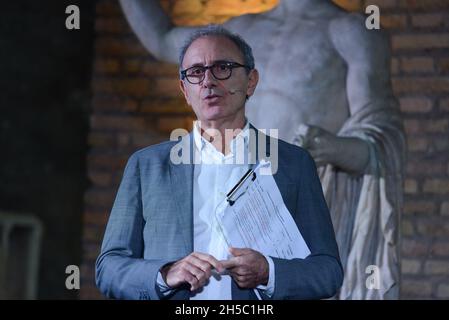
(209, 79)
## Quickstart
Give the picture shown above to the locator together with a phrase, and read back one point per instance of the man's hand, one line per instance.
(248, 267)
(195, 269)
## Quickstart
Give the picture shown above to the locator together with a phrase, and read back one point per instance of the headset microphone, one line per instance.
(234, 91)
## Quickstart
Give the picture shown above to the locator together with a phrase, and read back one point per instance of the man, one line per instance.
(161, 242)
(325, 87)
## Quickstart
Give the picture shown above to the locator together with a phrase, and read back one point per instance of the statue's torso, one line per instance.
(302, 77)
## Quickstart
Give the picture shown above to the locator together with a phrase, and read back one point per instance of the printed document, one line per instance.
(258, 218)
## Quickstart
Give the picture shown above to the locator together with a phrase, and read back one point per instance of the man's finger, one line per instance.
(201, 264)
(190, 279)
(210, 259)
(230, 263)
(240, 271)
(239, 251)
(195, 271)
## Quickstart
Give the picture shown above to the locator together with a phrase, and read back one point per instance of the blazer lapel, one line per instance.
(181, 179)
(281, 177)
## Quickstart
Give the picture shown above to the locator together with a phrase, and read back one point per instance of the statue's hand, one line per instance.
(322, 144)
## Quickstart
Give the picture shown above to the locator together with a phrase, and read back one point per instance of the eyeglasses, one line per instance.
(221, 70)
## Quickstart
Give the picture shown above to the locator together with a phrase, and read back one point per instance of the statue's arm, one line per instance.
(156, 31)
(366, 53)
(154, 28)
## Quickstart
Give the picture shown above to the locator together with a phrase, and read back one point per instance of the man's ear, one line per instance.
(184, 91)
(252, 82)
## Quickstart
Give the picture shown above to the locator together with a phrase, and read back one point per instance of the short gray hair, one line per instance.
(214, 30)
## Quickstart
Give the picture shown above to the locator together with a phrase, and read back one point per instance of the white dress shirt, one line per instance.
(214, 176)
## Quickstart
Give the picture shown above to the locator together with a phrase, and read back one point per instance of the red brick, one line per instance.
(100, 103)
(107, 162)
(436, 267)
(97, 198)
(427, 20)
(421, 85)
(91, 233)
(119, 47)
(414, 248)
(130, 105)
(394, 66)
(419, 4)
(416, 167)
(131, 87)
(407, 228)
(140, 140)
(440, 249)
(96, 217)
(90, 252)
(415, 105)
(410, 186)
(393, 21)
(108, 8)
(168, 124)
(443, 291)
(165, 105)
(436, 126)
(443, 65)
(116, 26)
(436, 186)
(417, 144)
(412, 126)
(440, 144)
(101, 179)
(107, 66)
(133, 65)
(433, 228)
(382, 4)
(410, 266)
(420, 41)
(445, 208)
(160, 69)
(444, 104)
(117, 122)
(101, 140)
(416, 288)
(123, 139)
(90, 292)
(113, 103)
(421, 207)
(166, 87)
(417, 64)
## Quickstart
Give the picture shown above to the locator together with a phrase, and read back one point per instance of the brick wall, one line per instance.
(136, 102)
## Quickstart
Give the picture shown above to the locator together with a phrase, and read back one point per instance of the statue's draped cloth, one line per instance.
(366, 209)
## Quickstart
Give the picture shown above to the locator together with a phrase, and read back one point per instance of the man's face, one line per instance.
(211, 99)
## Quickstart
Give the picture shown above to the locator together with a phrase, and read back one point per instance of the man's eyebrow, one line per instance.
(199, 64)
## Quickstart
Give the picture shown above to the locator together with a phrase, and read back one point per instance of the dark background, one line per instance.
(45, 74)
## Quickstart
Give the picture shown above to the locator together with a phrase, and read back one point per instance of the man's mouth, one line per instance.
(212, 96)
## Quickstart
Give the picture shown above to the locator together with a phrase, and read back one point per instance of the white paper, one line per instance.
(260, 220)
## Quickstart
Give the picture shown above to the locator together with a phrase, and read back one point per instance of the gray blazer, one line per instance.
(151, 224)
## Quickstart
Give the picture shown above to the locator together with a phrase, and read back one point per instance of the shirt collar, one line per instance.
(203, 145)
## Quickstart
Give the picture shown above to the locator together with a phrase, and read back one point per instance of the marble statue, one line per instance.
(325, 85)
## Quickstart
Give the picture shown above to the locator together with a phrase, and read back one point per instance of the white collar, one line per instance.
(202, 144)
